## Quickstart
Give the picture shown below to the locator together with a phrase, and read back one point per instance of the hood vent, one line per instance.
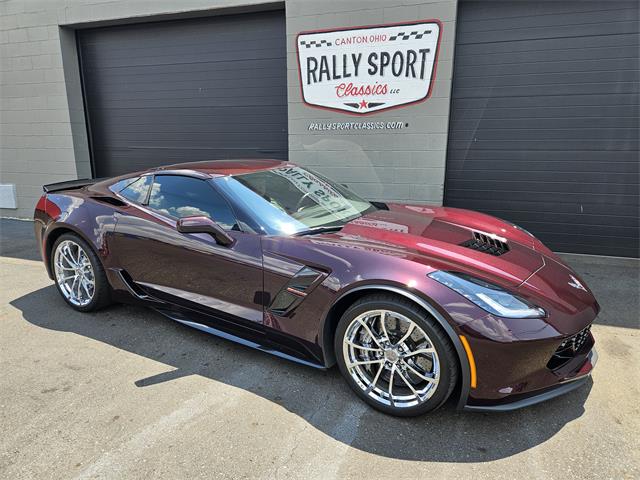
(487, 243)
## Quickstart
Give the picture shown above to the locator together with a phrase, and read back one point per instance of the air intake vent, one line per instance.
(570, 347)
(486, 243)
(295, 291)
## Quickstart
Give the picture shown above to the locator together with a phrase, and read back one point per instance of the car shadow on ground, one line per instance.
(320, 397)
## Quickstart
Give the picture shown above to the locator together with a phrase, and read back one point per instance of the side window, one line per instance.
(137, 191)
(178, 197)
(118, 186)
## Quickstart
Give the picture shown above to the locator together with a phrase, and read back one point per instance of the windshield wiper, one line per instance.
(314, 230)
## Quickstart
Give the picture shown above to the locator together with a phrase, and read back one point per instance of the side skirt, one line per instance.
(234, 338)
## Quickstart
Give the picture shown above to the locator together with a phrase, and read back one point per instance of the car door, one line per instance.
(188, 269)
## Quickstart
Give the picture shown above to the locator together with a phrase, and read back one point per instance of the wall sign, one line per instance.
(368, 69)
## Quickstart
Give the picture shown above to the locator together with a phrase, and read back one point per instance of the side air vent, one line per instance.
(134, 289)
(294, 292)
(486, 243)
(110, 200)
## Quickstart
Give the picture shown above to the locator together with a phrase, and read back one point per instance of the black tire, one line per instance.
(444, 349)
(102, 293)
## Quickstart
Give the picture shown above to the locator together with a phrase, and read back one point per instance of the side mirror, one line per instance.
(202, 224)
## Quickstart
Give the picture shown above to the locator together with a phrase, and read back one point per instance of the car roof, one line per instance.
(216, 168)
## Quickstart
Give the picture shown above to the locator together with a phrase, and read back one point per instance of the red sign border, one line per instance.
(346, 29)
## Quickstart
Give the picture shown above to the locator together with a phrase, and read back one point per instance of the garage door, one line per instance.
(187, 90)
(544, 120)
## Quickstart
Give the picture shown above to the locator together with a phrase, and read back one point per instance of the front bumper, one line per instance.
(566, 386)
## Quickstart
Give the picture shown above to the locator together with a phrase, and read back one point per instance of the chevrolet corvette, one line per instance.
(416, 304)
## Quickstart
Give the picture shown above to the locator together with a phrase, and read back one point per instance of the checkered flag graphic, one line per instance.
(407, 36)
(315, 43)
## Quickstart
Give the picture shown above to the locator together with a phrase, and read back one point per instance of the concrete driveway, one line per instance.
(126, 393)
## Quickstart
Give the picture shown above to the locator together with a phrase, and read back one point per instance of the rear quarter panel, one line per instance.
(76, 212)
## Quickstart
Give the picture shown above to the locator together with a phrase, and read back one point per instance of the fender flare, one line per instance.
(54, 226)
(465, 380)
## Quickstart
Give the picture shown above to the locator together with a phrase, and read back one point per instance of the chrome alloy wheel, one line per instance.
(74, 273)
(391, 358)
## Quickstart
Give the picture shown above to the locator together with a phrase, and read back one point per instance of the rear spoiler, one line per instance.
(70, 185)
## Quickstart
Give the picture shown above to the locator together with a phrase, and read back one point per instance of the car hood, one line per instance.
(434, 235)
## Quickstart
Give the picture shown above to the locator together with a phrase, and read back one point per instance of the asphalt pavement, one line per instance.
(127, 393)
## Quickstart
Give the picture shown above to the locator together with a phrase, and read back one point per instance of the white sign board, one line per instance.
(368, 69)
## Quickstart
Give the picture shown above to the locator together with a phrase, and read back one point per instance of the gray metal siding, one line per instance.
(544, 124)
(185, 90)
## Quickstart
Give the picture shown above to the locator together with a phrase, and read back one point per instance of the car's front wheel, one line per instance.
(395, 356)
(78, 274)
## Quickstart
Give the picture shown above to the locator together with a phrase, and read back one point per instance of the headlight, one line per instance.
(489, 297)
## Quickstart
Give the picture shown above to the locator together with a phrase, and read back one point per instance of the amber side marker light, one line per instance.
(472, 362)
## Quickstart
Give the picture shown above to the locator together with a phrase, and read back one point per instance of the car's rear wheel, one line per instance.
(78, 274)
(395, 356)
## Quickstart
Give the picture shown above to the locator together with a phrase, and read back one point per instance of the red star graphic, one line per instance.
(364, 104)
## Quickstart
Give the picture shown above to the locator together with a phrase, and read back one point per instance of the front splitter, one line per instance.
(565, 387)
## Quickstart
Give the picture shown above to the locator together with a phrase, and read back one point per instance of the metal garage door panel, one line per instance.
(544, 124)
(185, 90)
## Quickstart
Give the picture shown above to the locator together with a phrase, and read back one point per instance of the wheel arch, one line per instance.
(347, 298)
(54, 232)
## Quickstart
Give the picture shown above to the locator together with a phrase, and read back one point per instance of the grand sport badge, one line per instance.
(368, 69)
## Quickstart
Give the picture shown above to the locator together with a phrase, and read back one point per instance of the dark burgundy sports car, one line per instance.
(414, 303)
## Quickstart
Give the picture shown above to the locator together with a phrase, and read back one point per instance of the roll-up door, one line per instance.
(544, 120)
(185, 90)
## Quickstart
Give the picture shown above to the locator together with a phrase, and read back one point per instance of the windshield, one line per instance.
(291, 199)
